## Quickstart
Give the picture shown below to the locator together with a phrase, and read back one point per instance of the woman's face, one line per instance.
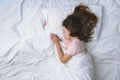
(66, 33)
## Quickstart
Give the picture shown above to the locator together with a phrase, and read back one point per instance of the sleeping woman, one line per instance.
(74, 63)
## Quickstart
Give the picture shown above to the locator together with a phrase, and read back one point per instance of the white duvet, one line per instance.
(26, 52)
(79, 67)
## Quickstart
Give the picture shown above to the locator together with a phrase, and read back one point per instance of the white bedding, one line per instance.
(25, 50)
(79, 67)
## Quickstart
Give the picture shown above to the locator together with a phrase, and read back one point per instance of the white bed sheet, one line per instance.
(24, 48)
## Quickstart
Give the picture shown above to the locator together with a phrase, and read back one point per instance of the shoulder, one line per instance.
(75, 46)
(76, 43)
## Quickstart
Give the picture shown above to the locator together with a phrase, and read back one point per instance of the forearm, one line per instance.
(59, 50)
(63, 57)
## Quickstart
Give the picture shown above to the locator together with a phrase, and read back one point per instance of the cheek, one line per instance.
(66, 35)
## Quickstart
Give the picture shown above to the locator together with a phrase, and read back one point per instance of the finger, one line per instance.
(51, 36)
(54, 34)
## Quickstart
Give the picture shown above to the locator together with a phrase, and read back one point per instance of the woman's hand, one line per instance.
(55, 38)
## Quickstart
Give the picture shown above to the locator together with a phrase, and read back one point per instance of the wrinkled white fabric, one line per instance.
(25, 51)
(79, 67)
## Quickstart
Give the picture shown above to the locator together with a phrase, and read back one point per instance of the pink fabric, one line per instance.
(76, 46)
(66, 42)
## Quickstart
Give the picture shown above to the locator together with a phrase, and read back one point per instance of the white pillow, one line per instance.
(59, 3)
(55, 16)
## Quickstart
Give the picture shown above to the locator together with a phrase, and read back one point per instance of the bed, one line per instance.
(25, 46)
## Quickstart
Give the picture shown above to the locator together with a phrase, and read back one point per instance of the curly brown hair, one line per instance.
(81, 23)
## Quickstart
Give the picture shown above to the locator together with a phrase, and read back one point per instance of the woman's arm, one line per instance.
(63, 57)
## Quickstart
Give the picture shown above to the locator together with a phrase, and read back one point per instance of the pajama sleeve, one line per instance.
(74, 48)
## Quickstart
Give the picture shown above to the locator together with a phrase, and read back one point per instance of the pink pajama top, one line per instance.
(74, 47)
